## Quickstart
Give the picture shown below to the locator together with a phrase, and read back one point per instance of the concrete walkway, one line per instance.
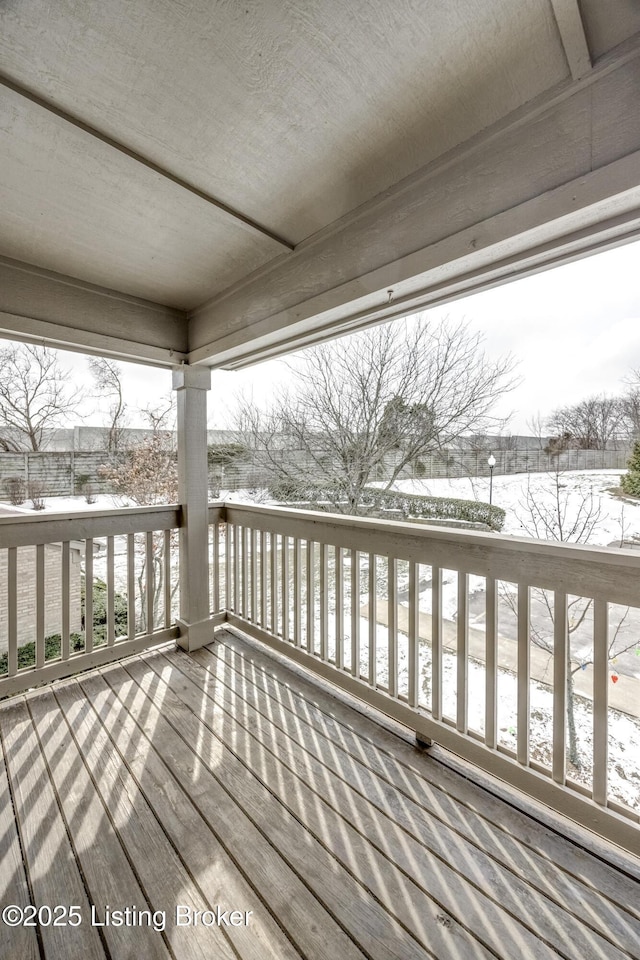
(623, 696)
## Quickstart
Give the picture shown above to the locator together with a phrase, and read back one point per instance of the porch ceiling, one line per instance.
(245, 165)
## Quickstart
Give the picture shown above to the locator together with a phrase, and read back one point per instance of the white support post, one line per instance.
(191, 385)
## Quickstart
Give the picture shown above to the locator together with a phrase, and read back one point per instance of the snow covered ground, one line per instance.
(616, 517)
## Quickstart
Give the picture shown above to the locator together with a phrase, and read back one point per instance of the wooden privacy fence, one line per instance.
(437, 628)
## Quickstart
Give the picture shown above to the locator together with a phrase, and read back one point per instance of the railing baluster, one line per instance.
(131, 586)
(560, 651)
(462, 653)
(311, 596)
(254, 575)
(236, 569)
(227, 566)
(339, 610)
(355, 613)
(600, 701)
(263, 579)
(12, 611)
(414, 641)
(491, 665)
(65, 590)
(150, 582)
(111, 627)
(285, 588)
(88, 595)
(274, 583)
(167, 574)
(373, 620)
(245, 572)
(297, 592)
(215, 593)
(436, 643)
(524, 615)
(324, 602)
(40, 606)
(392, 620)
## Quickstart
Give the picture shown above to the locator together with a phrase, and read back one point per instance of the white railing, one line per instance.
(382, 609)
(467, 638)
(83, 589)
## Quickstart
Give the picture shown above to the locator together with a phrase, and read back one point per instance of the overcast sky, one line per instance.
(575, 331)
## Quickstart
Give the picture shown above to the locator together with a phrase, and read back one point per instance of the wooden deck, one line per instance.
(221, 781)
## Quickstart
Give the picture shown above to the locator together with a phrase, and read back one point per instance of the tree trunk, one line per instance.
(574, 757)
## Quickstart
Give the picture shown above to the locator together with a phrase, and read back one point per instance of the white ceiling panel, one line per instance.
(292, 112)
(73, 204)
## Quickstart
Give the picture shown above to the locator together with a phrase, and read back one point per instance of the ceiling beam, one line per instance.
(572, 34)
(43, 307)
(565, 167)
(92, 131)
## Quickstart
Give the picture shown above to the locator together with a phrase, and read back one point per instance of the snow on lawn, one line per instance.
(624, 731)
(576, 487)
(103, 501)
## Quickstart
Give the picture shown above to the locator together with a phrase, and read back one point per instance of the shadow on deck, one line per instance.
(221, 781)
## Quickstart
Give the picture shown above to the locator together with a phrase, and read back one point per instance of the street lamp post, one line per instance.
(492, 462)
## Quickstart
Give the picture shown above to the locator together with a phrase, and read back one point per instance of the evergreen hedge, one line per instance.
(410, 505)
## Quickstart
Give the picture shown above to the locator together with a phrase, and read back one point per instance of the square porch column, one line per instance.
(191, 385)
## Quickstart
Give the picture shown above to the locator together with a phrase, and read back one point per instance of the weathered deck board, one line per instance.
(199, 847)
(161, 873)
(384, 753)
(107, 872)
(366, 871)
(425, 809)
(222, 777)
(52, 868)
(19, 941)
(446, 856)
(345, 900)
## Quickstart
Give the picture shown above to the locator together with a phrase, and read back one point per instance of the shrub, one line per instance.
(84, 485)
(408, 504)
(630, 482)
(53, 643)
(100, 611)
(35, 491)
(16, 490)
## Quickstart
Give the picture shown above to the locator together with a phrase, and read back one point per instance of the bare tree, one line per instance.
(589, 424)
(35, 396)
(557, 515)
(107, 375)
(630, 404)
(148, 474)
(372, 403)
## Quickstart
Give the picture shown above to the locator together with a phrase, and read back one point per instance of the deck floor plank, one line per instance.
(303, 784)
(18, 941)
(108, 876)
(418, 774)
(337, 836)
(429, 814)
(225, 778)
(369, 925)
(447, 865)
(218, 878)
(298, 911)
(161, 874)
(50, 859)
